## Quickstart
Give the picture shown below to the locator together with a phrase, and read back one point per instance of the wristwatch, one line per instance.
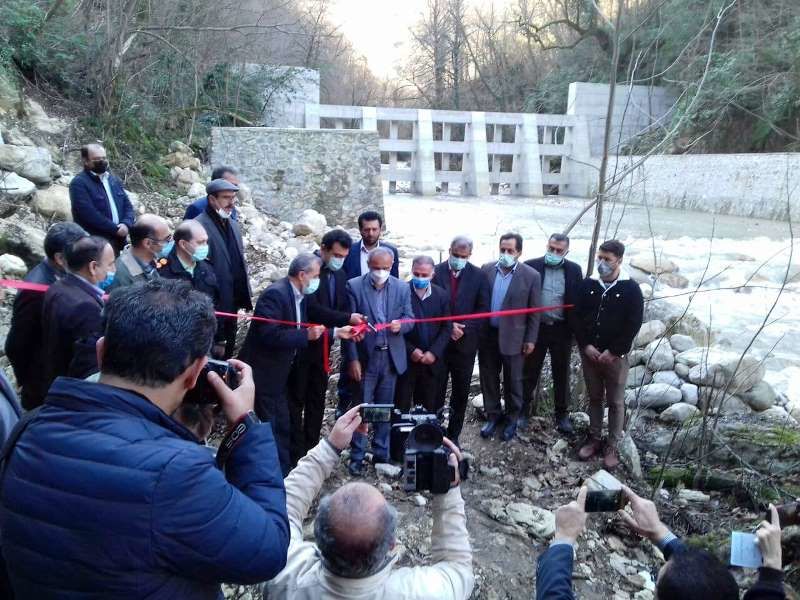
(240, 428)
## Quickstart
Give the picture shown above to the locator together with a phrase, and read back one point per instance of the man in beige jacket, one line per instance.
(353, 555)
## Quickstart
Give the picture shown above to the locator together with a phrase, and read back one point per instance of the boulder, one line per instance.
(744, 375)
(760, 397)
(639, 276)
(655, 395)
(635, 357)
(41, 121)
(187, 177)
(678, 413)
(702, 355)
(655, 266)
(647, 290)
(29, 162)
(690, 394)
(182, 160)
(668, 377)
(8, 94)
(12, 267)
(179, 146)
(638, 376)
(686, 496)
(710, 374)
(310, 222)
(725, 403)
(674, 280)
(648, 332)
(579, 420)
(14, 187)
(681, 370)
(22, 240)
(629, 455)
(387, 470)
(15, 137)
(53, 202)
(681, 342)
(793, 408)
(539, 522)
(658, 355)
(775, 414)
(196, 190)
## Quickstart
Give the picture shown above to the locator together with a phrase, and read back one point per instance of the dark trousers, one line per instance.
(457, 367)
(492, 362)
(419, 386)
(274, 407)
(557, 340)
(307, 386)
(229, 329)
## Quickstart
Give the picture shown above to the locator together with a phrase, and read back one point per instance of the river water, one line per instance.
(722, 251)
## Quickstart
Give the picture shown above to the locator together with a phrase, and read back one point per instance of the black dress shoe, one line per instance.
(487, 431)
(509, 432)
(564, 425)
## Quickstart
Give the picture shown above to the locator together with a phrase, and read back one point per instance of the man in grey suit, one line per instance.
(376, 361)
(226, 255)
(507, 340)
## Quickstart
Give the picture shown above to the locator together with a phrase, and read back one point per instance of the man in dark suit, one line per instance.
(226, 254)
(507, 340)
(199, 206)
(23, 343)
(468, 292)
(99, 202)
(71, 315)
(370, 224)
(426, 343)
(376, 361)
(187, 261)
(272, 349)
(561, 282)
(308, 381)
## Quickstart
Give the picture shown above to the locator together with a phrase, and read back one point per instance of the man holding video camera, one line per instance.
(689, 574)
(105, 495)
(355, 534)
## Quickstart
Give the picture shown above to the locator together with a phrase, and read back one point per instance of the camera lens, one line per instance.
(425, 436)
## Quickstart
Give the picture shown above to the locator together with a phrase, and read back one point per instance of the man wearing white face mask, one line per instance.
(609, 310)
(272, 349)
(376, 361)
(226, 254)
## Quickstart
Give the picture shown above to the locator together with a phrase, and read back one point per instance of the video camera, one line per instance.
(203, 392)
(415, 441)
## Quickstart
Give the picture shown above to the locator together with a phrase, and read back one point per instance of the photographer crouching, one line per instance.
(106, 495)
(355, 535)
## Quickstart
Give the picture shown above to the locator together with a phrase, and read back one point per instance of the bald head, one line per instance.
(189, 236)
(148, 227)
(94, 158)
(355, 530)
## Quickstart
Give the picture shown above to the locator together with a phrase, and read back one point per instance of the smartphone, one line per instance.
(202, 392)
(376, 413)
(604, 501)
(788, 515)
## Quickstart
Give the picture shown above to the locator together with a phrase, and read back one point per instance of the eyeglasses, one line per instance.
(166, 240)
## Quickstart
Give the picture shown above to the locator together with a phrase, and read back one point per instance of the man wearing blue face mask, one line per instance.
(507, 339)
(329, 306)
(71, 313)
(274, 350)
(609, 309)
(561, 282)
(187, 261)
(151, 241)
(426, 343)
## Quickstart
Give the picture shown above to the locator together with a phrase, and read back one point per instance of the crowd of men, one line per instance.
(107, 487)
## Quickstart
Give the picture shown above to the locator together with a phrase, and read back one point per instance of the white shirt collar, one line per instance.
(298, 295)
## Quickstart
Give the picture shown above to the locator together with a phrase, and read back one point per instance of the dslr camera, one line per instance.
(415, 441)
(202, 392)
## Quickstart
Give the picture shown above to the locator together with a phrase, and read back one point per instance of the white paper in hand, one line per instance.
(745, 551)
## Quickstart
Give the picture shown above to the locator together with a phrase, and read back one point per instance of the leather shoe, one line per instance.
(589, 449)
(487, 431)
(509, 432)
(610, 457)
(522, 422)
(564, 425)
(355, 469)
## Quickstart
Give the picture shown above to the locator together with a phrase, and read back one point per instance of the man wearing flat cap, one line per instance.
(226, 254)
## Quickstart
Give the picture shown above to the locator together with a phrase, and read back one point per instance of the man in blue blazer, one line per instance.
(379, 358)
(99, 202)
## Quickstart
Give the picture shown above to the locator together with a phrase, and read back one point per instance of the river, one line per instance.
(728, 250)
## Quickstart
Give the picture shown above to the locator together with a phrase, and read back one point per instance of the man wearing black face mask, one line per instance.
(99, 202)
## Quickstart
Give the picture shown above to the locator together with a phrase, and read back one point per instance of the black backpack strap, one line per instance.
(13, 438)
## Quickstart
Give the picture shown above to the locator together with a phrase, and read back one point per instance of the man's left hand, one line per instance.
(348, 332)
(342, 433)
(607, 358)
(527, 348)
(122, 231)
(571, 518)
(395, 326)
(357, 319)
(428, 358)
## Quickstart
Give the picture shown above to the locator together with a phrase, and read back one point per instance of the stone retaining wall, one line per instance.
(336, 173)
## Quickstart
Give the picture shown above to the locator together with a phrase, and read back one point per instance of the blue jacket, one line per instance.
(90, 207)
(105, 496)
(199, 206)
(352, 264)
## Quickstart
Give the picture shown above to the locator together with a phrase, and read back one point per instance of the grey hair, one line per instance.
(353, 558)
(303, 262)
(379, 251)
(461, 240)
(422, 259)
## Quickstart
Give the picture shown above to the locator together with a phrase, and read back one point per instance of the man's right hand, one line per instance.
(592, 352)
(354, 370)
(458, 331)
(315, 332)
(645, 520)
(453, 460)
(235, 403)
(342, 433)
(357, 319)
(769, 541)
(416, 355)
(571, 518)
